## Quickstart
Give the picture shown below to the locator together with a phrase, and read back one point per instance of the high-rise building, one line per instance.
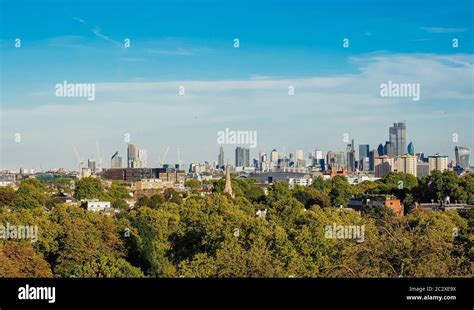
(339, 161)
(397, 138)
(437, 162)
(318, 154)
(372, 155)
(389, 149)
(142, 158)
(422, 169)
(364, 160)
(116, 161)
(242, 157)
(274, 156)
(383, 165)
(299, 155)
(131, 156)
(91, 165)
(462, 155)
(407, 164)
(411, 149)
(380, 150)
(220, 158)
(350, 156)
(363, 150)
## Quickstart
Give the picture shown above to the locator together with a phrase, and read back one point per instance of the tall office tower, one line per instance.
(116, 161)
(380, 150)
(351, 157)
(372, 155)
(220, 158)
(389, 149)
(363, 150)
(383, 165)
(363, 161)
(91, 165)
(246, 157)
(397, 138)
(274, 156)
(340, 160)
(242, 157)
(407, 164)
(318, 154)
(142, 158)
(411, 149)
(463, 155)
(131, 156)
(437, 162)
(330, 159)
(299, 155)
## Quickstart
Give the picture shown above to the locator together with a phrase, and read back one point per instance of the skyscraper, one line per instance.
(274, 156)
(397, 138)
(383, 165)
(437, 162)
(116, 161)
(142, 158)
(91, 164)
(462, 156)
(363, 150)
(242, 157)
(131, 156)
(364, 161)
(380, 150)
(407, 164)
(220, 158)
(351, 157)
(411, 149)
(389, 149)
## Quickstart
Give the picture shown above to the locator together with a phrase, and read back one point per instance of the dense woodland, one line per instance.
(172, 234)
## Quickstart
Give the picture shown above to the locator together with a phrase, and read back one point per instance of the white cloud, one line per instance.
(322, 108)
(442, 29)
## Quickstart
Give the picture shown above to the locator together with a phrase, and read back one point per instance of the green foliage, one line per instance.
(340, 191)
(89, 188)
(31, 193)
(7, 196)
(172, 235)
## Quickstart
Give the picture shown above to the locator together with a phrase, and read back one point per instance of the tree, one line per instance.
(89, 188)
(7, 196)
(107, 267)
(20, 260)
(31, 193)
(340, 192)
(117, 191)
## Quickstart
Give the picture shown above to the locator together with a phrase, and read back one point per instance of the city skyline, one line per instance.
(296, 81)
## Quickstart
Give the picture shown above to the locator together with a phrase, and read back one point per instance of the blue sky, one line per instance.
(190, 43)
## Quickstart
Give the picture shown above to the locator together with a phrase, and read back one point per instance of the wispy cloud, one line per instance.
(96, 31)
(79, 20)
(443, 29)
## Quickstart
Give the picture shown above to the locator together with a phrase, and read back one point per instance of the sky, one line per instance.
(191, 44)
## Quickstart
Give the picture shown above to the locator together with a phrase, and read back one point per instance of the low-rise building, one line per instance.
(392, 203)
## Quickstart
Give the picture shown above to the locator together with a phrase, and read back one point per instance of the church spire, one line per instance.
(228, 183)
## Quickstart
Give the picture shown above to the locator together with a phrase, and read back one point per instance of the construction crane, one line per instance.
(80, 162)
(162, 159)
